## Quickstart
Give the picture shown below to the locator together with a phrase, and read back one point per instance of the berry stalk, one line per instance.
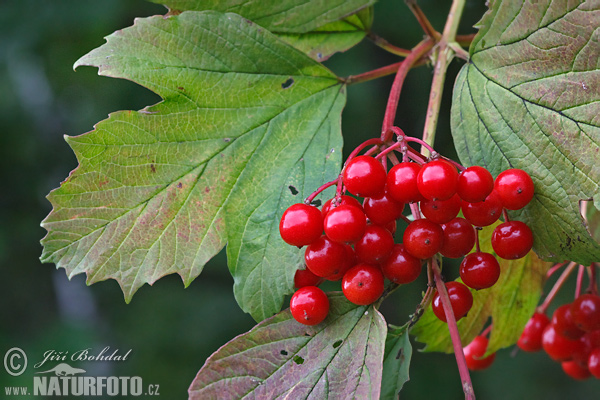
(559, 283)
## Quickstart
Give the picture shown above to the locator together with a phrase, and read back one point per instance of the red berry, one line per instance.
(594, 362)
(485, 212)
(304, 277)
(586, 312)
(301, 224)
(575, 371)
(459, 238)
(461, 301)
(309, 305)
(558, 347)
(391, 226)
(531, 338)
(364, 176)
(325, 257)
(401, 267)
(349, 262)
(382, 209)
(363, 284)
(344, 200)
(562, 319)
(475, 184)
(474, 352)
(423, 238)
(512, 240)
(375, 245)
(479, 270)
(345, 224)
(441, 211)
(402, 182)
(437, 180)
(515, 188)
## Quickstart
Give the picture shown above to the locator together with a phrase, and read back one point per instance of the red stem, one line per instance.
(314, 194)
(487, 330)
(458, 166)
(390, 111)
(559, 283)
(593, 287)
(579, 281)
(422, 19)
(463, 370)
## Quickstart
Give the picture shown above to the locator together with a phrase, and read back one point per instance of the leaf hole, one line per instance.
(287, 84)
(284, 353)
(316, 203)
(337, 344)
(293, 190)
(298, 360)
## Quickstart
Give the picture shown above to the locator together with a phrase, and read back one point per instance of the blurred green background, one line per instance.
(172, 330)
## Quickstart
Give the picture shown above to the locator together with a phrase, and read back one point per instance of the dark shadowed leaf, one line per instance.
(248, 126)
(396, 361)
(529, 99)
(281, 358)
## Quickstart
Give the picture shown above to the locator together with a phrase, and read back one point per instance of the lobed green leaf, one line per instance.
(396, 361)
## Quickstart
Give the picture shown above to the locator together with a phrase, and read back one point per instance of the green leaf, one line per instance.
(317, 28)
(280, 358)
(510, 303)
(528, 99)
(396, 361)
(161, 190)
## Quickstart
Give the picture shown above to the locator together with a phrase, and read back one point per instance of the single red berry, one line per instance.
(304, 277)
(437, 180)
(562, 319)
(309, 305)
(382, 209)
(459, 238)
(344, 200)
(594, 362)
(364, 176)
(363, 284)
(349, 262)
(345, 224)
(375, 245)
(575, 370)
(479, 270)
(423, 238)
(301, 224)
(401, 267)
(402, 182)
(461, 301)
(531, 338)
(586, 312)
(515, 188)
(441, 211)
(485, 212)
(325, 257)
(512, 240)
(474, 352)
(558, 347)
(475, 184)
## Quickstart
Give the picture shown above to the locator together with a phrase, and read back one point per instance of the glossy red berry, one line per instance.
(382, 209)
(562, 319)
(531, 337)
(349, 262)
(375, 245)
(558, 347)
(402, 182)
(309, 305)
(345, 224)
(461, 301)
(401, 267)
(364, 176)
(575, 370)
(475, 184)
(586, 312)
(423, 238)
(437, 180)
(474, 352)
(515, 188)
(363, 284)
(441, 211)
(344, 200)
(301, 224)
(325, 257)
(485, 212)
(593, 363)
(304, 277)
(479, 270)
(512, 240)
(459, 238)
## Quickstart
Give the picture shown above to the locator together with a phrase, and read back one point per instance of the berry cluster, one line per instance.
(571, 337)
(354, 242)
